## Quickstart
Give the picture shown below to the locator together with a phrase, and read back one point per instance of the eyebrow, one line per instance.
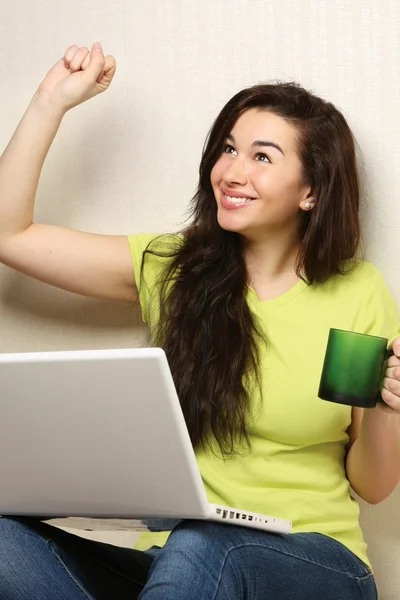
(259, 143)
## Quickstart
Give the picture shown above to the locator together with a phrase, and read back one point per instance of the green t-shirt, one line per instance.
(296, 469)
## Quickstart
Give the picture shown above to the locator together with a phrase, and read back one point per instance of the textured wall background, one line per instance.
(127, 161)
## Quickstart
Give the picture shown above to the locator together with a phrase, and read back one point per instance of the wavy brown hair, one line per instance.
(210, 336)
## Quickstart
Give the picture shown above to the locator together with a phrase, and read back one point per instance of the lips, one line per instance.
(235, 194)
(235, 202)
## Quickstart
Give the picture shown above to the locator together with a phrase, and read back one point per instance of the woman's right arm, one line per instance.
(94, 265)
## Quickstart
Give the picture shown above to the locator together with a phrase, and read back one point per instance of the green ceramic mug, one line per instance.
(354, 367)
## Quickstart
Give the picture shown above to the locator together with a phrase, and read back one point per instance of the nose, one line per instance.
(236, 172)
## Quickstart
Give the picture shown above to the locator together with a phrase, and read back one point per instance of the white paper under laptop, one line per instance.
(101, 434)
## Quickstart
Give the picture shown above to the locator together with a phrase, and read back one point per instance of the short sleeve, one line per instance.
(145, 278)
(378, 314)
(149, 267)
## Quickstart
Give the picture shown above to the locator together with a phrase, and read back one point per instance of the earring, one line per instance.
(308, 205)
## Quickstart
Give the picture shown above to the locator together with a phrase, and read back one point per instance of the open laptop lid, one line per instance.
(95, 433)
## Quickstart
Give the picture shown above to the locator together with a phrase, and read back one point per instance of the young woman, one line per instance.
(242, 302)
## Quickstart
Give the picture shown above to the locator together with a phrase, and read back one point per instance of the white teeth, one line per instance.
(237, 200)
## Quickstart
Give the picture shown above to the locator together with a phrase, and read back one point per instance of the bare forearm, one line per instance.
(22, 162)
(373, 461)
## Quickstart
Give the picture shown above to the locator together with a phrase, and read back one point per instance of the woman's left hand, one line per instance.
(391, 384)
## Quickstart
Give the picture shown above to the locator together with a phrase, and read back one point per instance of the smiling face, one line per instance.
(257, 181)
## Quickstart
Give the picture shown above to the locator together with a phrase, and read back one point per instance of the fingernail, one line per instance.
(97, 47)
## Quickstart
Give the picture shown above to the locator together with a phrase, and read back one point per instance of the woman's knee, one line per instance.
(199, 559)
(12, 532)
(205, 534)
(18, 550)
(29, 568)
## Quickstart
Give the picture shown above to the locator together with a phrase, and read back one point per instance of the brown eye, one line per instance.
(261, 157)
(228, 149)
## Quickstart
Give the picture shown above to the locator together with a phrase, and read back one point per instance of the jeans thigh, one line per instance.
(310, 566)
(210, 561)
(68, 564)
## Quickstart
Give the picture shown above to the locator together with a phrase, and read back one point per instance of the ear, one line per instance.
(308, 201)
(307, 204)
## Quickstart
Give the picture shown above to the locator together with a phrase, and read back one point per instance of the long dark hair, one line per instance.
(205, 325)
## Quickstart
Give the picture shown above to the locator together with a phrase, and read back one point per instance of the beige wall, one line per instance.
(127, 161)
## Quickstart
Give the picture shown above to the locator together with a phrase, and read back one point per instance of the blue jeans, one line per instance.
(201, 561)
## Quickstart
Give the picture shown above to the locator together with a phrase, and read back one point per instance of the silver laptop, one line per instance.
(101, 433)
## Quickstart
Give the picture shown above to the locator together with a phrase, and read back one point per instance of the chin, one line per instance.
(230, 225)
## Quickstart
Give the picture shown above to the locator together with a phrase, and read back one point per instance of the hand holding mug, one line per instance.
(390, 391)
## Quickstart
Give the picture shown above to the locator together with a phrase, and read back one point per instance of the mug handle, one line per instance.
(388, 353)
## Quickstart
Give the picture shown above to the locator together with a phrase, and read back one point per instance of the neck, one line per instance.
(270, 258)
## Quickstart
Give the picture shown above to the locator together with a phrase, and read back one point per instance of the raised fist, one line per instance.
(78, 76)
